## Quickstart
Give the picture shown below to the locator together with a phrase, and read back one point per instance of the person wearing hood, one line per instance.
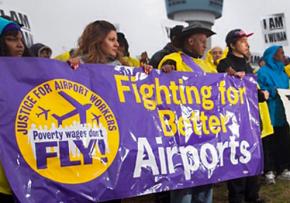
(171, 47)
(40, 50)
(214, 56)
(11, 39)
(271, 77)
(236, 64)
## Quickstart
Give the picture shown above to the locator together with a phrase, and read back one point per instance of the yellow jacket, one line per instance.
(132, 62)
(209, 58)
(265, 120)
(63, 57)
(287, 70)
(181, 66)
(4, 185)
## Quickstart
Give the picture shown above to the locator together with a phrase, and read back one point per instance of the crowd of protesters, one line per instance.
(100, 43)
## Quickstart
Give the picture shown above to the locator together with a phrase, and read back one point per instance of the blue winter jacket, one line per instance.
(271, 77)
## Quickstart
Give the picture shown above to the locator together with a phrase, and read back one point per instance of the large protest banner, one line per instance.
(103, 132)
(274, 29)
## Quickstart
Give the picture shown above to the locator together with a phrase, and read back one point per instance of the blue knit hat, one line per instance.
(7, 25)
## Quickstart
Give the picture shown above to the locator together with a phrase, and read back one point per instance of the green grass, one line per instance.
(278, 193)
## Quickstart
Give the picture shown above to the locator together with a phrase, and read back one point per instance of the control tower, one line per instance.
(203, 11)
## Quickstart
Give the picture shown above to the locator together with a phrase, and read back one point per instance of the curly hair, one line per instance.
(89, 44)
(3, 47)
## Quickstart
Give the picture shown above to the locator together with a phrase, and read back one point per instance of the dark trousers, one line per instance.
(163, 197)
(277, 150)
(7, 198)
(198, 194)
(243, 189)
(113, 201)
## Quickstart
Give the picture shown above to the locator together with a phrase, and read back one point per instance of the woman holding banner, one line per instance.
(99, 44)
(11, 44)
(11, 39)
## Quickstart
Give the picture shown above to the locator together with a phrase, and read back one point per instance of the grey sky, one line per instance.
(59, 23)
(247, 14)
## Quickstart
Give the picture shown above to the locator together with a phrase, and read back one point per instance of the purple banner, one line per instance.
(104, 132)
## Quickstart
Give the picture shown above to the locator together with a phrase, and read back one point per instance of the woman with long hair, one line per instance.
(98, 44)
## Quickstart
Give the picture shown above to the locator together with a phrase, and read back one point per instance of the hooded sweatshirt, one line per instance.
(209, 58)
(36, 49)
(270, 78)
(7, 25)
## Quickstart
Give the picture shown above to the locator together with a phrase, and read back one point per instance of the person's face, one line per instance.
(197, 43)
(217, 53)
(45, 53)
(15, 44)
(110, 44)
(279, 56)
(242, 46)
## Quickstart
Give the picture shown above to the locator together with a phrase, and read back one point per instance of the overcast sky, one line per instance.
(59, 23)
(247, 14)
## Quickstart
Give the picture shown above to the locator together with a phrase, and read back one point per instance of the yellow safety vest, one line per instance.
(182, 67)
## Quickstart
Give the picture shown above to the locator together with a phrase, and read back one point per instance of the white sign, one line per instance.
(285, 97)
(255, 58)
(274, 29)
